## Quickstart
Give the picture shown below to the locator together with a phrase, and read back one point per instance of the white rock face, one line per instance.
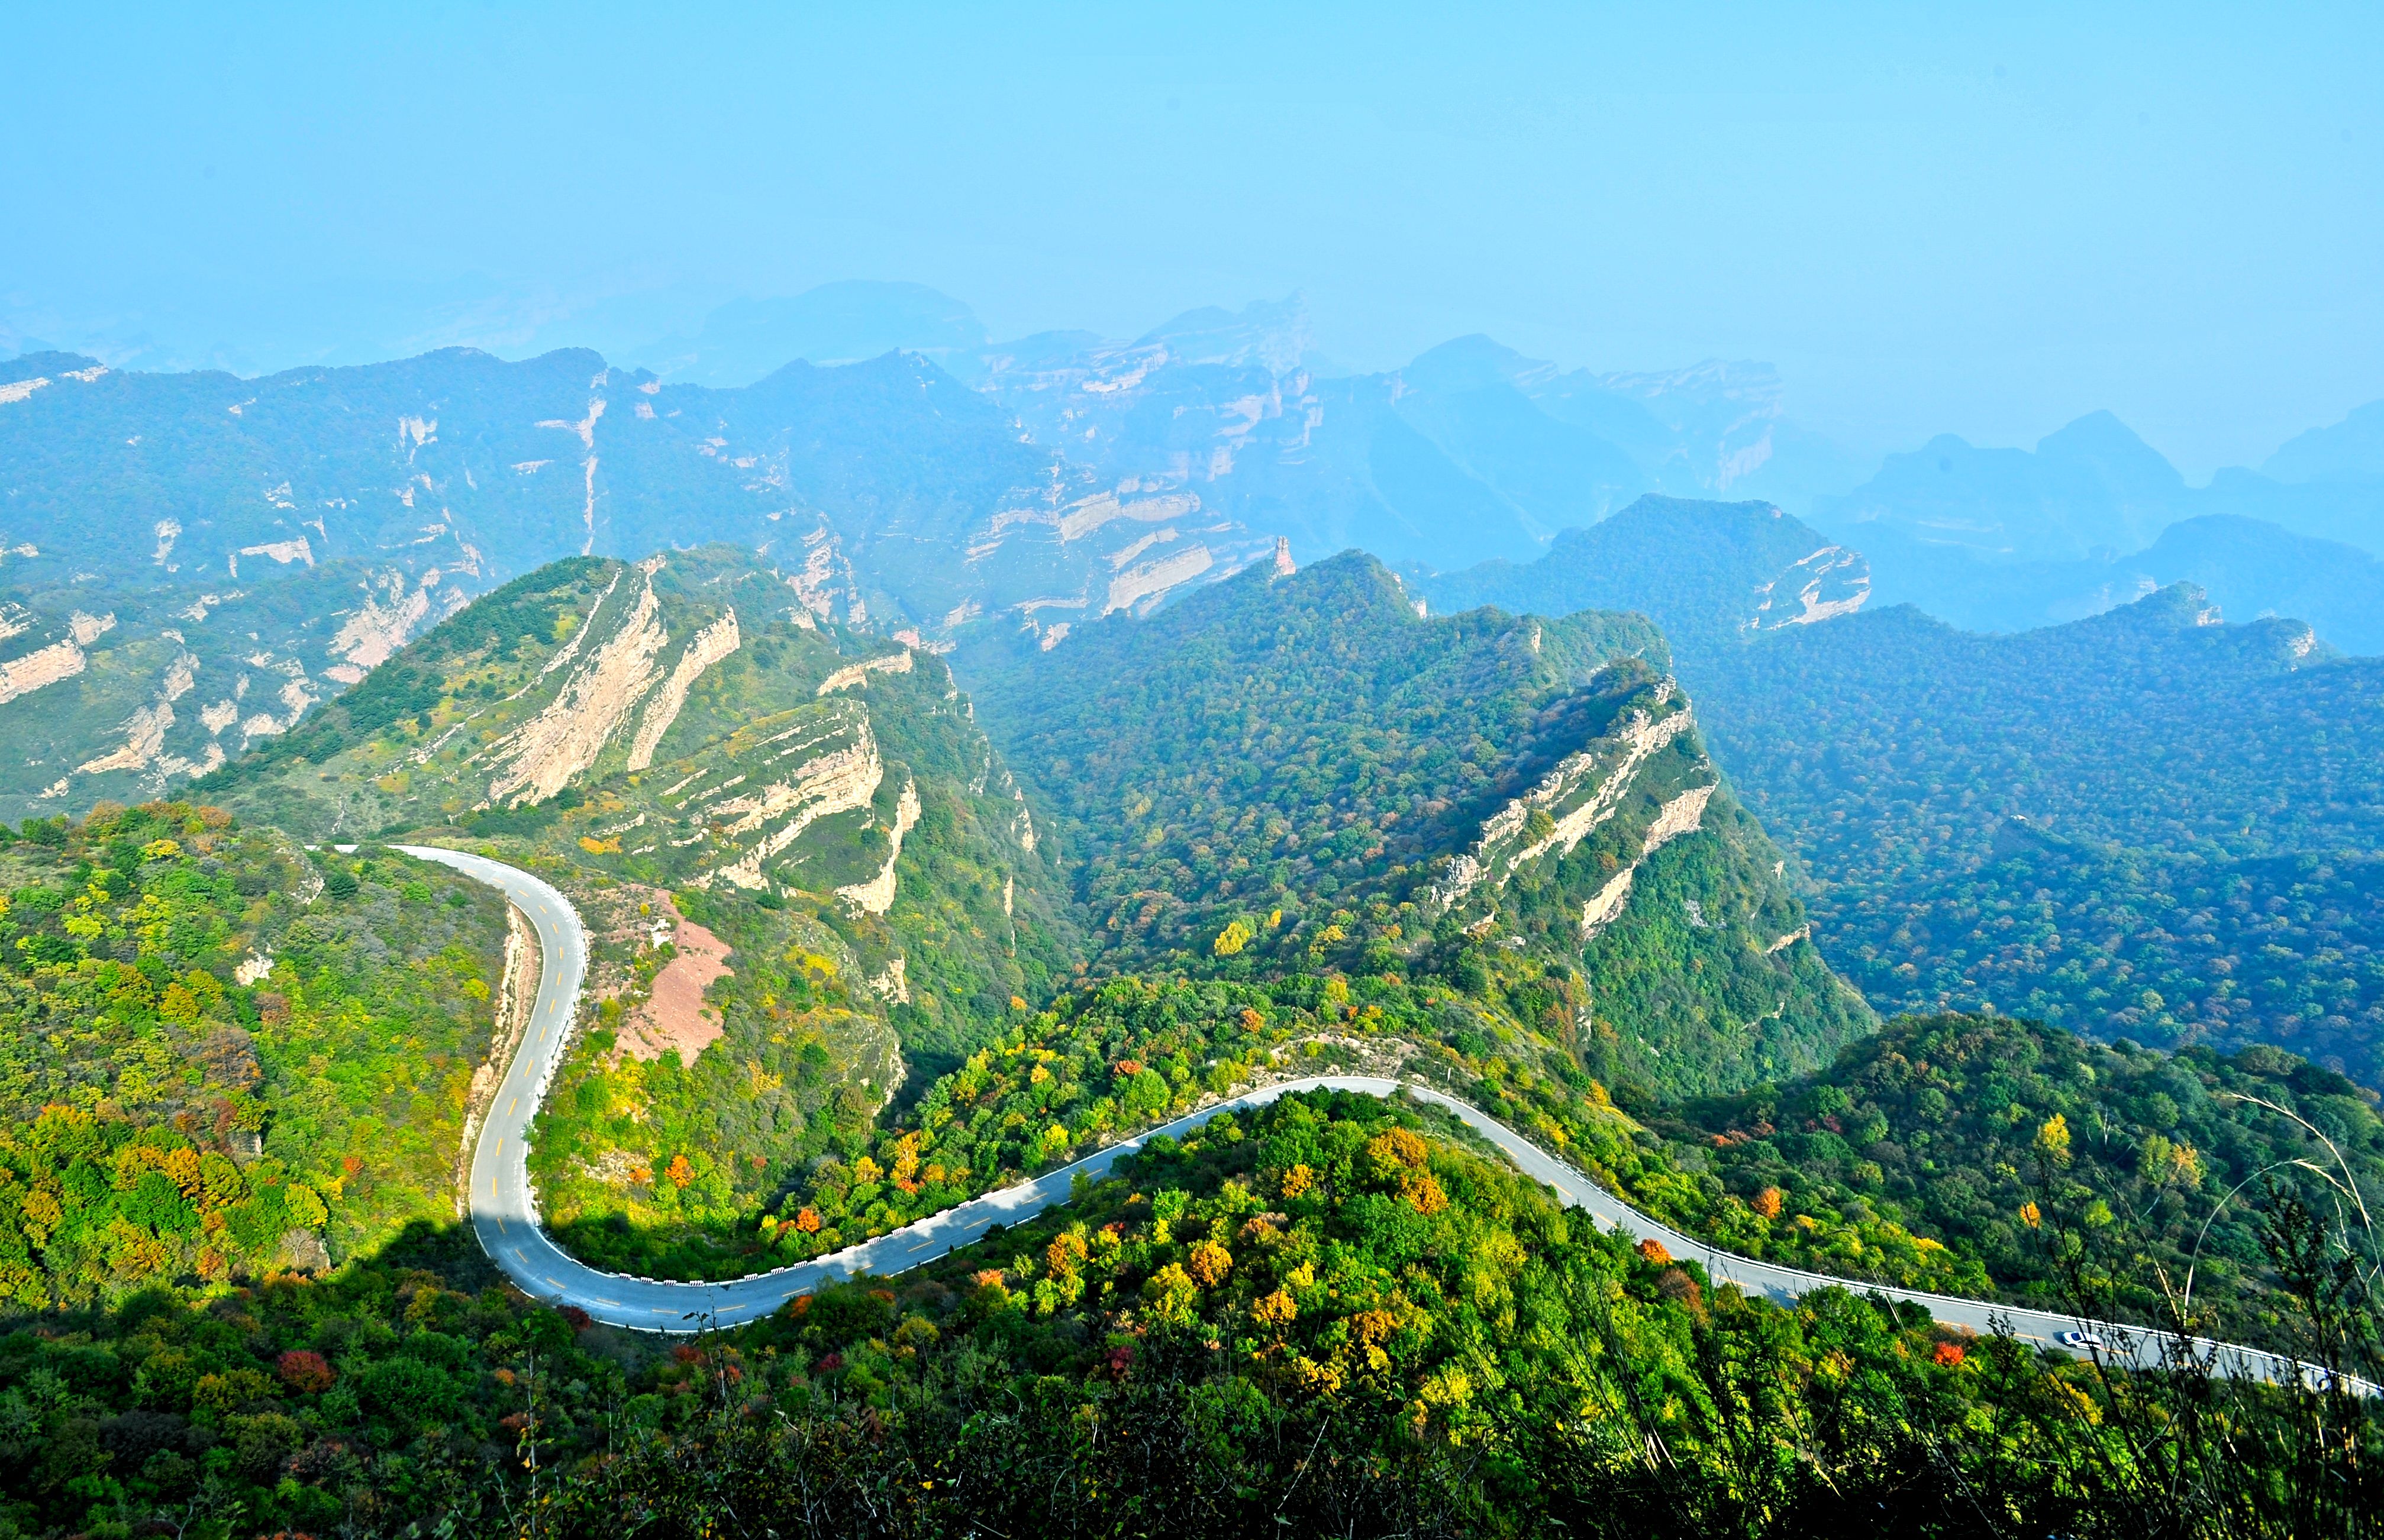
(877, 895)
(586, 430)
(1806, 582)
(842, 780)
(713, 643)
(283, 552)
(1607, 774)
(40, 668)
(1154, 578)
(857, 673)
(374, 632)
(539, 757)
(1683, 815)
(145, 735)
(1082, 517)
(182, 676)
(1600, 911)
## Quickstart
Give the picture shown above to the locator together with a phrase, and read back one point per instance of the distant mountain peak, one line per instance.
(835, 323)
(1274, 334)
(2100, 437)
(1473, 363)
(2347, 451)
(37, 365)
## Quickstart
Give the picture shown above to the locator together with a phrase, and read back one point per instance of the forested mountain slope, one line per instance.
(1300, 765)
(2146, 823)
(1329, 1315)
(808, 872)
(188, 562)
(2057, 1167)
(2141, 824)
(221, 1055)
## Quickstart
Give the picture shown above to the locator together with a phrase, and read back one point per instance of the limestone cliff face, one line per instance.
(816, 775)
(713, 643)
(1585, 790)
(540, 757)
(877, 895)
(1628, 866)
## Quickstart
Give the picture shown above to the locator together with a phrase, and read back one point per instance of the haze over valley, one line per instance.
(925, 773)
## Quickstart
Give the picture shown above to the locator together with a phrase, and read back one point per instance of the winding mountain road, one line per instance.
(505, 1209)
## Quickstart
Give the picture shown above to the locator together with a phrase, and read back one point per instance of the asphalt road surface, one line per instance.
(504, 1209)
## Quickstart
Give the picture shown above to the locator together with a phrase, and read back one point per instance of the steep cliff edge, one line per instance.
(1298, 771)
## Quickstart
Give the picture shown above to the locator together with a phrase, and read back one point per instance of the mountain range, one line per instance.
(195, 562)
(2151, 822)
(1624, 839)
(2009, 539)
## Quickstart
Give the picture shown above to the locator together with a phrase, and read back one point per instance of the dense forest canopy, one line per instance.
(864, 946)
(2148, 823)
(1330, 1315)
(221, 1055)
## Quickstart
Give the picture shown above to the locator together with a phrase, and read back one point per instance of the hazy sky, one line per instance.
(1985, 226)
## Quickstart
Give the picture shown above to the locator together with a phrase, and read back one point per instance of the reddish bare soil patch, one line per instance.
(674, 1016)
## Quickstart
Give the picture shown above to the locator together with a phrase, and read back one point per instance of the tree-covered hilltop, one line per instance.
(1710, 574)
(2142, 825)
(2146, 823)
(1908, 1161)
(1114, 1061)
(1282, 738)
(220, 1056)
(1289, 772)
(1331, 1316)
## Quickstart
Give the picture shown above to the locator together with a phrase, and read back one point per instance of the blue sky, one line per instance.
(1984, 222)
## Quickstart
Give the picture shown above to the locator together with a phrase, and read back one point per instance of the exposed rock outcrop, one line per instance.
(713, 643)
(40, 668)
(540, 756)
(843, 781)
(1588, 785)
(877, 895)
(857, 673)
(1154, 579)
